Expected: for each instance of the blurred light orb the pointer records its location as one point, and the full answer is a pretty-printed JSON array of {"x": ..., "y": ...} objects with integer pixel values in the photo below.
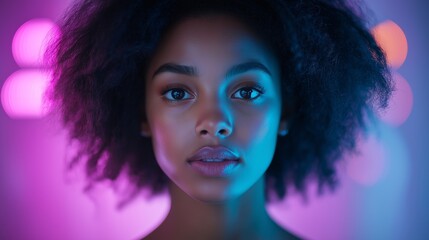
[
  {"x": 367, "y": 166},
  {"x": 22, "y": 94},
  {"x": 400, "y": 104},
  {"x": 392, "y": 40},
  {"x": 31, "y": 40}
]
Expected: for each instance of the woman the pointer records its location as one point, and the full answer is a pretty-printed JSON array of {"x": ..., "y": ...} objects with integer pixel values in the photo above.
[{"x": 219, "y": 102}]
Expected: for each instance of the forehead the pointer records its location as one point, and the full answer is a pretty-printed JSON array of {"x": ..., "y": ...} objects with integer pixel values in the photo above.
[{"x": 211, "y": 42}]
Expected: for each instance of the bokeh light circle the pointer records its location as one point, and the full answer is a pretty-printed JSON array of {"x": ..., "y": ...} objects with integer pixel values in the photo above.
[
  {"x": 22, "y": 94},
  {"x": 366, "y": 166},
  {"x": 393, "y": 41},
  {"x": 400, "y": 104},
  {"x": 31, "y": 40}
]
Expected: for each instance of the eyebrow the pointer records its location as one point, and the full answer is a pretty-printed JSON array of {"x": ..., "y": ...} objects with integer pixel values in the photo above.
[
  {"x": 176, "y": 68},
  {"x": 192, "y": 71}
]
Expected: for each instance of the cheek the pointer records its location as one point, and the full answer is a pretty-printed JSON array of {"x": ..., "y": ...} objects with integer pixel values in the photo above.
[
  {"x": 170, "y": 135},
  {"x": 258, "y": 126},
  {"x": 257, "y": 134}
]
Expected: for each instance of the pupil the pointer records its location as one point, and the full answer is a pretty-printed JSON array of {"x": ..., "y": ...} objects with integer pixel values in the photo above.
[
  {"x": 246, "y": 93},
  {"x": 177, "y": 94}
]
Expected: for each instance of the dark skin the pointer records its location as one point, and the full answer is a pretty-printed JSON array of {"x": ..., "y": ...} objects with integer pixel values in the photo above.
[
  {"x": 216, "y": 104},
  {"x": 193, "y": 219}
]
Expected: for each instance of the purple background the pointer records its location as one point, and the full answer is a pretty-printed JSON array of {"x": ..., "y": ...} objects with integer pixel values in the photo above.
[{"x": 39, "y": 201}]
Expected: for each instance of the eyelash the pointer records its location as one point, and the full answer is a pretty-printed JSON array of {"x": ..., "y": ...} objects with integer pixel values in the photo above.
[
  {"x": 174, "y": 88},
  {"x": 259, "y": 89}
]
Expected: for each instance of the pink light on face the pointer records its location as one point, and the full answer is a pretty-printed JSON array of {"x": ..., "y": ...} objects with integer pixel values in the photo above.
[
  {"x": 31, "y": 40},
  {"x": 400, "y": 104},
  {"x": 22, "y": 94},
  {"x": 392, "y": 40}
]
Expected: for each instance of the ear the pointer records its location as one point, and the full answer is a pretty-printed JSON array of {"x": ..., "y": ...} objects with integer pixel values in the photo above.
[
  {"x": 283, "y": 128},
  {"x": 145, "y": 129}
]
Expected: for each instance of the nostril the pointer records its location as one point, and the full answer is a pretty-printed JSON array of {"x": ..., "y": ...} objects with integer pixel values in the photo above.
[
  {"x": 220, "y": 132},
  {"x": 223, "y": 132}
]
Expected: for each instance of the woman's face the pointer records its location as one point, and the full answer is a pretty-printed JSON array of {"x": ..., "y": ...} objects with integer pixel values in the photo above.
[{"x": 213, "y": 84}]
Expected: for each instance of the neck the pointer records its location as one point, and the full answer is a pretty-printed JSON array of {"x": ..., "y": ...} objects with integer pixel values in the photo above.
[{"x": 230, "y": 219}]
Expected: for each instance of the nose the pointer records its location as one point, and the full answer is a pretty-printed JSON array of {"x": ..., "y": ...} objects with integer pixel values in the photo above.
[{"x": 214, "y": 122}]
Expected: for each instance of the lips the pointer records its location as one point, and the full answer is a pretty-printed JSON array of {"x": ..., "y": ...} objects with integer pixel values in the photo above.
[
  {"x": 213, "y": 154},
  {"x": 215, "y": 161}
]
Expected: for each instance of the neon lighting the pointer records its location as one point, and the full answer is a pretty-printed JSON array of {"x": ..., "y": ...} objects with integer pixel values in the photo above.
[
  {"x": 392, "y": 40},
  {"x": 22, "y": 94},
  {"x": 366, "y": 166},
  {"x": 401, "y": 102},
  {"x": 31, "y": 40}
]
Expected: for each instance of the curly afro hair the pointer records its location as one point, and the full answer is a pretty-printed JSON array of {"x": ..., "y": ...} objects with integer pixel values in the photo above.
[{"x": 333, "y": 75}]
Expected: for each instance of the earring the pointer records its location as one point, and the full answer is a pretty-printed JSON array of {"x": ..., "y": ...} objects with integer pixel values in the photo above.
[{"x": 283, "y": 132}]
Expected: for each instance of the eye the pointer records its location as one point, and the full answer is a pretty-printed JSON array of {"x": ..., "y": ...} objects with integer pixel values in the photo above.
[
  {"x": 176, "y": 94},
  {"x": 248, "y": 93}
]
